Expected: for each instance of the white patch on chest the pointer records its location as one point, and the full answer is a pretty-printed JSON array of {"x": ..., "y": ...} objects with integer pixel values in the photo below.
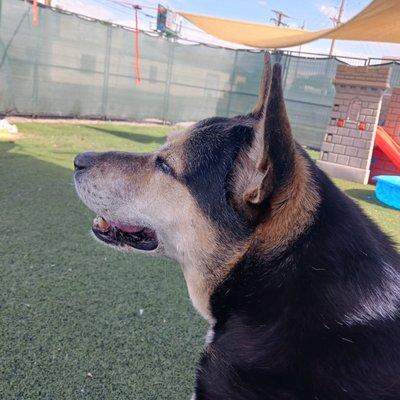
[{"x": 210, "y": 335}]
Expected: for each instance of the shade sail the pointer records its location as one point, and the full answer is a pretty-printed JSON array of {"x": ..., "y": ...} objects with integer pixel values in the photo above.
[{"x": 378, "y": 22}]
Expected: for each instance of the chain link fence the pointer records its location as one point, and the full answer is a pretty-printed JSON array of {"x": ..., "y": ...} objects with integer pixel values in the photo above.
[{"x": 72, "y": 66}]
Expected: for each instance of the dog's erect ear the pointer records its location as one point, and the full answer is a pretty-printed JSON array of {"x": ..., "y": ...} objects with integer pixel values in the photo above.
[
  {"x": 264, "y": 88},
  {"x": 273, "y": 142}
]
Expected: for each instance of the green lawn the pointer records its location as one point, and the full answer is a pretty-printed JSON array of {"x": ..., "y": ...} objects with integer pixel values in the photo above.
[{"x": 77, "y": 320}]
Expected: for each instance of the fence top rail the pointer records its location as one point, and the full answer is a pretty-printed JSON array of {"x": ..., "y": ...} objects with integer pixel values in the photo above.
[
  {"x": 295, "y": 53},
  {"x": 382, "y": 61}
]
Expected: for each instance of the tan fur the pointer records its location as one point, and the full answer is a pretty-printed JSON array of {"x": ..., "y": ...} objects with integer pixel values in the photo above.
[
  {"x": 292, "y": 206},
  {"x": 198, "y": 237},
  {"x": 247, "y": 178},
  {"x": 173, "y": 150},
  {"x": 200, "y": 290},
  {"x": 189, "y": 238},
  {"x": 292, "y": 209}
]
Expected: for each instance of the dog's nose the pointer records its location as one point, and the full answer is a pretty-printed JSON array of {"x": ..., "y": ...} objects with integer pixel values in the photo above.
[{"x": 84, "y": 160}]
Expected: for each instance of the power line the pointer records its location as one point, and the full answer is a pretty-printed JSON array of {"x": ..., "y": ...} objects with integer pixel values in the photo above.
[
  {"x": 278, "y": 19},
  {"x": 337, "y": 21}
]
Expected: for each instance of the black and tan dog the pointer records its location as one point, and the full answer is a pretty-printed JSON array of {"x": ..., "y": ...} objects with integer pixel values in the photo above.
[{"x": 301, "y": 289}]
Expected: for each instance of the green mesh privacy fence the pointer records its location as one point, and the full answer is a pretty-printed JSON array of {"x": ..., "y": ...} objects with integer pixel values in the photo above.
[{"x": 70, "y": 66}]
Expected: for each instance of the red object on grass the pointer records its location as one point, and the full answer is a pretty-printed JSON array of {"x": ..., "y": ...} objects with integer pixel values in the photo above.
[
  {"x": 137, "y": 8},
  {"x": 341, "y": 122}
]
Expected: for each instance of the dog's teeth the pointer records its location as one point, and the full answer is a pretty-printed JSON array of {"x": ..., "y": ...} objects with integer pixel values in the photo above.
[{"x": 101, "y": 224}]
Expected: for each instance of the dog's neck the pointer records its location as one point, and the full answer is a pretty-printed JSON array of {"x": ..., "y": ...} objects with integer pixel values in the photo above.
[
  {"x": 292, "y": 210},
  {"x": 200, "y": 291}
]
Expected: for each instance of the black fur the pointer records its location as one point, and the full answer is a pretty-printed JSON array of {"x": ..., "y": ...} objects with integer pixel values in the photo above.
[
  {"x": 320, "y": 321},
  {"x": 211, "y": 150}
]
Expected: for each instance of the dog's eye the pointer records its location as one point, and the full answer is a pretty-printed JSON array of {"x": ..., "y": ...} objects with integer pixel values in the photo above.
[{"x": 163, "y": 166}]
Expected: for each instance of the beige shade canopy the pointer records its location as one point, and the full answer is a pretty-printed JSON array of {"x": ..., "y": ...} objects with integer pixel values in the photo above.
[{"x": 378, "y": 22}]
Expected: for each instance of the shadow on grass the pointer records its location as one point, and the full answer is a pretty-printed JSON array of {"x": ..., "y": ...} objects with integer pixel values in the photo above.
[
  {"x": 6, "y": 146},
  {"x": 366, "y": 195},
  {"x": 133, "y": 136}
]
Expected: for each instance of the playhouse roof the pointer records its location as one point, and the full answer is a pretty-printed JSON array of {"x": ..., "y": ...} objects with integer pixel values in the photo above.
[{"x": 378, "y": 22}]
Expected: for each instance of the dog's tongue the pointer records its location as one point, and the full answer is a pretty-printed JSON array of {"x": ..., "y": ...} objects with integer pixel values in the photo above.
[
  {"x": 103, "y": 225},
  {"x": 127, "y": 228}
]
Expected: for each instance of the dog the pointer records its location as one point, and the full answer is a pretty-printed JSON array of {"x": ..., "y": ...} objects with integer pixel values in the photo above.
[{"x": 301, "y": 290}]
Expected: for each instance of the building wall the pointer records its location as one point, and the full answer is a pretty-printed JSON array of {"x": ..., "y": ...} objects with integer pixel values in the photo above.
[{"x": 348, "y": 144}]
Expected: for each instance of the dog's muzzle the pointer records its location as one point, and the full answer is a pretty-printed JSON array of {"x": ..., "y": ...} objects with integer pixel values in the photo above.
[
  {"x": 115, "y": 233},
  {"x": 138, "y": 237}
]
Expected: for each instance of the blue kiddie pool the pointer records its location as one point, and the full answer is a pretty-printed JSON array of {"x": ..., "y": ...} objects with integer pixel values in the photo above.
[{"x": 387, "y": 190}]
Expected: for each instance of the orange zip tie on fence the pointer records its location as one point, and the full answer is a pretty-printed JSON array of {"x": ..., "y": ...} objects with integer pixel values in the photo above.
[
  {"x": 137, "y": 8},
  {"x": 35, "y": 13}
]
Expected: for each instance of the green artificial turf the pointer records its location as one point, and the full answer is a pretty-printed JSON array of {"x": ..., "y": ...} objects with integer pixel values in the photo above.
[{"x": 78, "y": 320}]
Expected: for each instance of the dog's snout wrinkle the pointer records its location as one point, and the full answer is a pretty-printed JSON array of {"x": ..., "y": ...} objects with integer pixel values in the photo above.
[{"x": 118, "y": 159}]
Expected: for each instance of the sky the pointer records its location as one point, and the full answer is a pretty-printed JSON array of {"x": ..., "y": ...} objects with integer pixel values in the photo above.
[{"x": 314, "y": 14}]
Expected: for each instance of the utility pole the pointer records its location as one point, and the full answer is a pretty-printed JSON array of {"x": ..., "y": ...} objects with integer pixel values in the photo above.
[
  {"x": 336, "y": 22},
  {"x": 302, "y": 27},
  {"x": 278, "y": 19}
]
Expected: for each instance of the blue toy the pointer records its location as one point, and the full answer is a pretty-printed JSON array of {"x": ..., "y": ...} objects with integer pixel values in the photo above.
[{"x": 387, "y": 190}]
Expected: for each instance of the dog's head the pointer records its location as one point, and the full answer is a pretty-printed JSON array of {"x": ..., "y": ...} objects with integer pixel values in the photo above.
[{"x": 207, "y": 194}]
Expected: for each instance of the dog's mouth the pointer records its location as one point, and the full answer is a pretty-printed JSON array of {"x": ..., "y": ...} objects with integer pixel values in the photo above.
[{"x": 137, "y": 237}]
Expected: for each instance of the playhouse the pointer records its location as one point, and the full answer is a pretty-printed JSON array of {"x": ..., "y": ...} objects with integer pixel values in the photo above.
[{"x": 363, "y": 134}]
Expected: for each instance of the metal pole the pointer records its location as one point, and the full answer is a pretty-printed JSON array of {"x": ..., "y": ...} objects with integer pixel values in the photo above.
[
  {"x": 337, "y": 21},
  {"x": 35, "y": 73},
  {"x": 286, "y": 67},
  {"x": 231, "y": 84},
  {"x": 332, "y": 47},
  {"x": 106, "y": 73},
  {"x": 171, "y": 51}
]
